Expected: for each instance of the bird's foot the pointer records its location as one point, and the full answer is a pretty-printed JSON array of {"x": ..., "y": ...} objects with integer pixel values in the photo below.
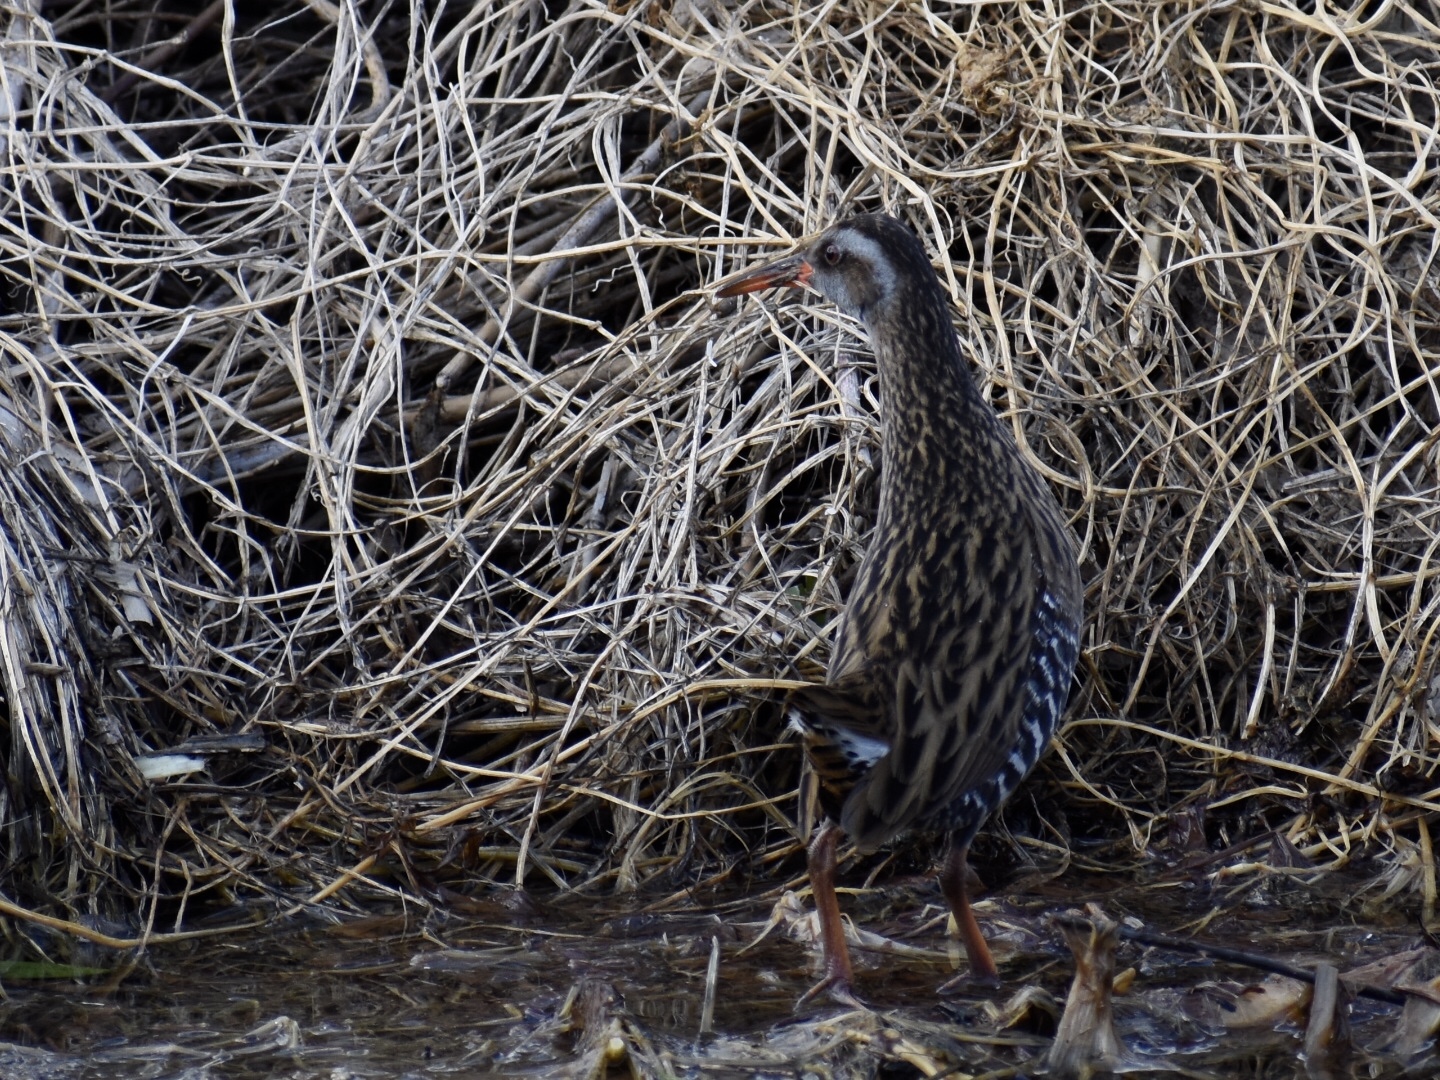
[{"x": 837, "y": 986}]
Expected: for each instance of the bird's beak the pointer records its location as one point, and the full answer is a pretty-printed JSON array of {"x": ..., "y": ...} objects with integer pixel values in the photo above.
[{"x": 790, "y": 272}]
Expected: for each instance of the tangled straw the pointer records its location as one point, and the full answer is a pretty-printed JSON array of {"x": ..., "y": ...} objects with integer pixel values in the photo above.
[{"x": 362, "y": 392}]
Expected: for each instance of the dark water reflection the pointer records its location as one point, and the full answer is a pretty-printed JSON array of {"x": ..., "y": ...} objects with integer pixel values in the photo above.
[{"x": 585, "y": 988}]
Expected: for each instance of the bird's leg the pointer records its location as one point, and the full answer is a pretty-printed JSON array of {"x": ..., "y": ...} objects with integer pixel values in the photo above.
[
  {"x": 836, "y": 953},
  {"x": 956, "y": 890}
]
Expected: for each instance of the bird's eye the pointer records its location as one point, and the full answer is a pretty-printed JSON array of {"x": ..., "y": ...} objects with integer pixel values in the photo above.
[{"x": 833, "y": 254}]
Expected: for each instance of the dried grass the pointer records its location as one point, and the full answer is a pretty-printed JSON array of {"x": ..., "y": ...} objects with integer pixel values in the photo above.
[{"x": 362, "y": 391}]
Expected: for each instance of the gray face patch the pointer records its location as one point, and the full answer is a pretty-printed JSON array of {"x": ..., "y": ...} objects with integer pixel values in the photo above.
[
  {"x": 864, "y": 278},
  {"x": 864, "y": 249}
]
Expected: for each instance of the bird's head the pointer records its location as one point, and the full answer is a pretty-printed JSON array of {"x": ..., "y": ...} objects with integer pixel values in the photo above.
[{"x": 865, "y": 265}]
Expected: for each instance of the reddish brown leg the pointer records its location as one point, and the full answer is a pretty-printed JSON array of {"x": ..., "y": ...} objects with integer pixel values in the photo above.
[
  {"x": 838, "y": 976},
  {"x": 952, "y": 883}
]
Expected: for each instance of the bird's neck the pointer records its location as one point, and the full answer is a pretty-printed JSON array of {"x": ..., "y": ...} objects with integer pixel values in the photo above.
[{"x": 935, "y": 423}]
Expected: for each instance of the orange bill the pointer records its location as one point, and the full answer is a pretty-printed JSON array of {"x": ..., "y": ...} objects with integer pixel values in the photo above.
[{"x": 790, "y": 272}]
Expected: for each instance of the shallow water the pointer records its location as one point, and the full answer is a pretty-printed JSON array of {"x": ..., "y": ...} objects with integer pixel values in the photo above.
[{"x": 582, "y": 988}]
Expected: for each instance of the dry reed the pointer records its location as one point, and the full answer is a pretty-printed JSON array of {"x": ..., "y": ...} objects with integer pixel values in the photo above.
[{"x": 371, "y": 437}]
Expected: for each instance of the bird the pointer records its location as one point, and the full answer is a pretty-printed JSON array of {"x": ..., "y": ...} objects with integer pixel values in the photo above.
[{"x": 956, "y": 648}]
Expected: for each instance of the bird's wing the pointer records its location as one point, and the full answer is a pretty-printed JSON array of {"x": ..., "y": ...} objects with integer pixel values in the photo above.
[{"x": 956, "y": 706}]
